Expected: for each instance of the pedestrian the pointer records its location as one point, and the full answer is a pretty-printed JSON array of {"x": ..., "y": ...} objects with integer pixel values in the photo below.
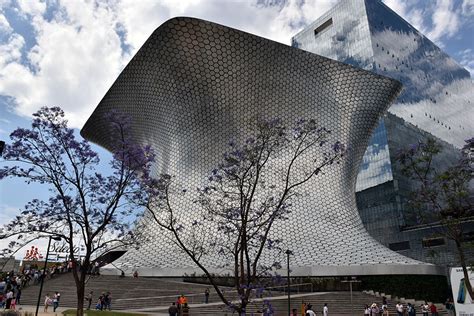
[
  {"x": 367, "y": 310},
  {"x": 47, "y": 302},
  {"x": 56, "y": 299},
  {"x": 98, "y": 306},
  {"x": 185, "y": 311},
  {"x": 374, "y": 310},
  {"x": 309, "y": 310},
  {"x": 89, "y": 299},
  {"x": 102, "y": 301},
  {"x": 181, "y": 301},
  {"x": 2, "y": 300},
  {"x": 399, "y": 308},
  {"x": 173, "y": 310},
  {"x": 135, "y": 274},
  {"x": 384, "y": 302},
  {"x": 433, "y": 309},
  {"x": 13, "y": 303},
  {"x": 449, "y": 306},
  {"x": 325, "y": 310},
  {"x": 425, "y": 308},
  {"x": 206, "y": 295},
  {"x": 8, "y": 299},
  {"x": 108, "y": 301},
  {"x": 18, "y": 295},
  {"x": 294, "y": 312},
  {"x": 385, "y": 311},
  {"x": 411, "y": 310}
]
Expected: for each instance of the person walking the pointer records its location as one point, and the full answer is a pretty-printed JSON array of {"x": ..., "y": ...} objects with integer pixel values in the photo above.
[
  {"x": 13, "y": 303},
  {"x": 411, "y": 310},
  {"x": 449, "y": 306},
  {"x": 399, "y": 308},
  {"x": 56, "y": 299},
  {"x": 18, "y": 295},
  {"x": 367, "y": 310},
  {"x": 206, "y": 295},
  {"x": 374, "y": 310},
  {"x": 433, "y": 310},
  {"x": 89, "y": 299},
  {"x": 325, "y": 310},
  {"x": 47, "y": 302},
  {"x": 8, "y": 299},
  {"x": 181, "y": 301},
  {"x": 108, "y": 301},
  {"x": 309, "y": 310},
  {"x": 425, "y": 308},
  {"x": 185, "y": 311},
  {"x": 384, "y": 302},
  {"x": 173, "y": 310}
]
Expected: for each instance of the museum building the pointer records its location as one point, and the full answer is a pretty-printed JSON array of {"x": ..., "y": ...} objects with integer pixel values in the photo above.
[{"x": 194, "y": 85}]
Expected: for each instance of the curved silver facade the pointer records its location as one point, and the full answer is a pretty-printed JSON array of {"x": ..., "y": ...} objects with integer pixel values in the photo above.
[{"x": 194, "y": 85}]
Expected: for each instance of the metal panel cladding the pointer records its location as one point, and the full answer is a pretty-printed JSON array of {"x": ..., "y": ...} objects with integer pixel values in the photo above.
[{"x": 194, "y": 85}]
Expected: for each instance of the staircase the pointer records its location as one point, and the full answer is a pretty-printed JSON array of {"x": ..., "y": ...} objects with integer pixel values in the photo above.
[{"x": 154, "y": 295}]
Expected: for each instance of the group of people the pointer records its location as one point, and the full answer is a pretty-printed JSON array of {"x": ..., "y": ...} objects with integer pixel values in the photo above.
[
  {"x": 104, "y": 301},
  {"x": 52, "y": 300},
  {"x": 406, "y": 310},
  {"x": 10, "y": 290},
  {"x": 308, "y": 310},
  {"x": 12, "y": 284},
  {"x": 180, "y": 307}
]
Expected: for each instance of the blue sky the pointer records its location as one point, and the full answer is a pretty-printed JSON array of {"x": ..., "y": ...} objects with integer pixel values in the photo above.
[{"x": 68, "y": 53}]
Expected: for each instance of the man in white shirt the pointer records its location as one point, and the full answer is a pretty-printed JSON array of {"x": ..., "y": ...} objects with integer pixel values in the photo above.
[
  {"x": 399, "y": 308},
  {"x": 325, "y": 310},
  {"x": 309, "y": 311}
]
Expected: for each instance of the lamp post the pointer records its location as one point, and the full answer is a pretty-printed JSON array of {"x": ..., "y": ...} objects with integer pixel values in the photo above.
[
  {"x": 2, "y": 146},
  {"x": 44, "y": 272},
  {"x": 352, "y": 280},
  {"x": 288, "y": 253}
]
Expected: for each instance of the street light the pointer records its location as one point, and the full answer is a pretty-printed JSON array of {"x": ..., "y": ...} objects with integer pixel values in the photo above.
[
  {"x": 2, "y": 146},
  {"x": 352, "y": 280},
  {"x": 44, "y": 272},
  {"x": 288, "y": 253}
]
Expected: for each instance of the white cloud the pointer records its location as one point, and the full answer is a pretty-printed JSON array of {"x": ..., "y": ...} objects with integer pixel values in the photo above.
[
  {"x": 11, "y": 51},
  {"x": 468, "y": 8},
  {"x": 445, "y": 20},
  {"x": 438, "y": 20},
  {"x": 453, "y": 106},
  {"x": 79, "y": 53},
  {"x": 32, "y": 7},
  {"x": 415, "y": 16},
  {"x": 467, "y": 60},
  {"x": 4, "y": 25},
  {"x": 75, "y": 60}
]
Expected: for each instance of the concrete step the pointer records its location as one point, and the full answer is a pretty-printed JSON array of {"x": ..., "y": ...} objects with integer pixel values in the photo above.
[{"x": 156, "y": 294}]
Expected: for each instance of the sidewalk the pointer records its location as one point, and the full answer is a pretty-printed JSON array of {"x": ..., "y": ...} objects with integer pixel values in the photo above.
[
  {"x": 59, "y": 310},
  {"x": 32, "y": 309}
]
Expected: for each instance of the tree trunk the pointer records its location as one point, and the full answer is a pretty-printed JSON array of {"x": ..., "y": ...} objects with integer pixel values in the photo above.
[
  {"x": 465, "y": 271},
  {"x": 80, "y": 298}
]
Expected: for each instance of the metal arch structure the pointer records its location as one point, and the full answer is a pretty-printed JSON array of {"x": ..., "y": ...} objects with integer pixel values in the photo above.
[{"x": 194, "y": 85}]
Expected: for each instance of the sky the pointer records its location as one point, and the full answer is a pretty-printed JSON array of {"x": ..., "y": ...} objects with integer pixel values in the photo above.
[{"x": 68, "y": 53}]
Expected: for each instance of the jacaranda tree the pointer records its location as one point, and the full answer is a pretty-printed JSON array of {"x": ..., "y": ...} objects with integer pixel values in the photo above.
[
  {"x": 444, "y": 198},
  {"x": 245, "y": 195},
  {"x": 85, "y": 208}
]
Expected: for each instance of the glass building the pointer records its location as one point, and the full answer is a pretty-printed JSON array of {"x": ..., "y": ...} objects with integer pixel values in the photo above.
[{"x": 435, "y": 102}]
